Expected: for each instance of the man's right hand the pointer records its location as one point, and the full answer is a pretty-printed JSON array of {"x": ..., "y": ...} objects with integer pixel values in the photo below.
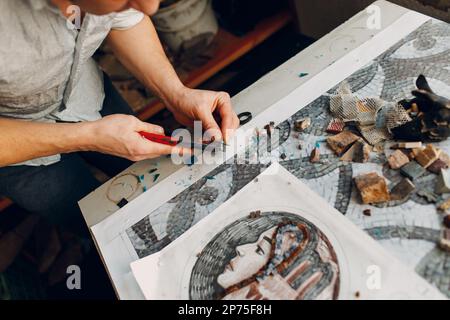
[{"x": 118, "y": 135}]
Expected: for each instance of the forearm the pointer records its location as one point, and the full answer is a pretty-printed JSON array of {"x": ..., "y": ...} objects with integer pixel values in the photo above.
[
  {"x": 141, "y": 52},
  {"x": 23, "y": 140}
]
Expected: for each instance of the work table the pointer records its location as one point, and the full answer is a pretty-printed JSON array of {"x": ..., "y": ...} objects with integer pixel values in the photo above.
[{"x": 313, "y": 71}]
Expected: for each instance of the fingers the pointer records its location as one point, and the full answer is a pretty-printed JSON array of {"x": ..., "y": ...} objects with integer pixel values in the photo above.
[
  {"x": 162, "y": 149},
  {"x": 147, "y": 149},
  {"x": 210, "y": 125},
  {"x": 148, "y": 127},
  {"x": 150, "y": 150},
  {"x": 230, "y": 121}
]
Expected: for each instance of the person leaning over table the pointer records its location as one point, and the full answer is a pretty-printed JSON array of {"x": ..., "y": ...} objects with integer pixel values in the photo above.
[{"x": 58, "y": 111}]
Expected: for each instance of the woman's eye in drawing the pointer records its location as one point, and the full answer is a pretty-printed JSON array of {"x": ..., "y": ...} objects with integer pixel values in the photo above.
[
  {"x": 259, "y": 250},
  {"x": 239, "y": 253},
  {"x": 421, "y": 47}
]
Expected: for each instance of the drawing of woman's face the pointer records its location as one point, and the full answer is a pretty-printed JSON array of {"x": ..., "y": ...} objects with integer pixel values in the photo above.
[
  {"x": 250, "y": 258},
  {"x": 277, "y": 255},
  {"x": 316, "y": 269}
]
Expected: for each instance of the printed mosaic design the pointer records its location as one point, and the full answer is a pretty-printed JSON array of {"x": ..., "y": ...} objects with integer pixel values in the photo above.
[{"x": 306, "y": 269}]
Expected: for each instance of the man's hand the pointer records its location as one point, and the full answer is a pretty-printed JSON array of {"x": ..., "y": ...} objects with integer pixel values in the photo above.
[
  {"x": 140, "y": 51},
  {"x": 119, "y": 135},
  {"x": 199, "y": 105},
  {"x": 116, "y": 135}
]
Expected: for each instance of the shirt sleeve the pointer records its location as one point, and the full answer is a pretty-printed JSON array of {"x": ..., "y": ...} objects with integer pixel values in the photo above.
[{"x": 126, "y": 19}]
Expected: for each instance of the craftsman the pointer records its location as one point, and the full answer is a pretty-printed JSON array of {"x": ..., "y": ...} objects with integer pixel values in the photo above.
[{"x": 58, "y": 111}]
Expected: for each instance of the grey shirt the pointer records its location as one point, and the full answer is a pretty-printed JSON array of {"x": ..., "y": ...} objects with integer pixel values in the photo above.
[{"x": 47, "y": 72}]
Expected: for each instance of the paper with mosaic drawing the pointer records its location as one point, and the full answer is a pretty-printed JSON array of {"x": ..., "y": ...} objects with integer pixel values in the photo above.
[
  {"x": 276, "y": 239},
  {"x": 410, "y": 230}
]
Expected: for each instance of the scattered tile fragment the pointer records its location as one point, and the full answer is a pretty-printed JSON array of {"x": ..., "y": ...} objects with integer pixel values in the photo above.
[
  {"x": 210, "y": 177},
  {"x": 255, "y": 214},
  {"x": 446, "y": 234},
  {"x": 443, "y": 182},
  {"x": 340, "y": 142},
  {"x": 152, "y": 171},
  {"x": 428, "y": 195},
  {"x": 155, "y": 177},
  {"x": 367, "y": 212},
  {"x": 372, "y": 188},
  {"x": 415, "y": 152},
  {"x": 445, "y": 157},
  {"x": 397, "y": 159},
  {"x": 411, "y": 155},
  {"x": 427, "y": 156},
  {"x": 444, "y": 206},
  {"x": 300, "y": 147},
  {"x": 348, "y": 156},
  {"x": 412, "y": 170},
  {"x": 144, "y": 188},
  {"x": 335, "y": 126},
  {"x": 141, "y": 178},
  {"x": 315, "y": 156},
  {"x": 283, "y": 156},
  {"x": 362, "y": 152},
  {"x": 446, "y": 221},
  {"x": 122, "y": 203},
  {"x": 378, "y": 148},
  {"x": 302, "y": 125},
  {"x": 436, "y": 166},
  {"x": 362, "y": 107},
  {"x": 402, "y": 189},
  {"x": 303, "y": 74},
  {"x": 407, "y": 145},
  {"x": 358, "y": 152},
  {"x": 444, "y": 243}
]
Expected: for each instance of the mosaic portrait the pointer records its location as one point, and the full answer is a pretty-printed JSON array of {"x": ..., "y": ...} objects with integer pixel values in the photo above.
[{"x": 274, "y": 256}]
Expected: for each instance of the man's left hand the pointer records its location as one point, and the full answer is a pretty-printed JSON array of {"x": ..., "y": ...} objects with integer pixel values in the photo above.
[{"x": 199, "y": 105}]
